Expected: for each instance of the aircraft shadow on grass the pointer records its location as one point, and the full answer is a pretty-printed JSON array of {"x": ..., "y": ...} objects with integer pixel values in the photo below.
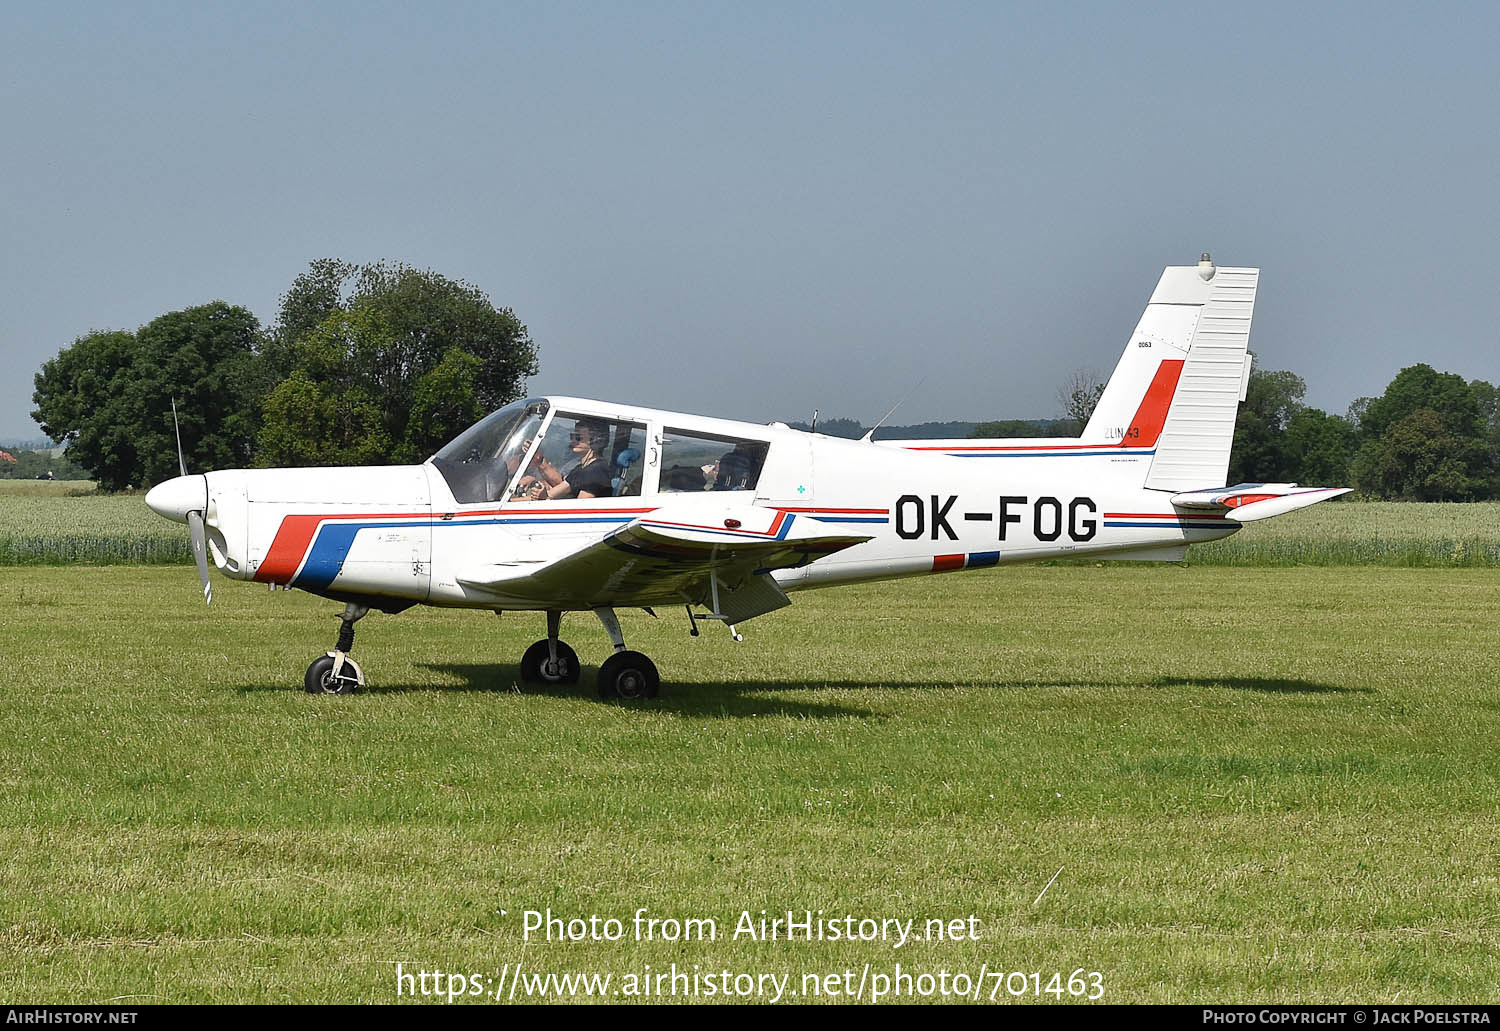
[
  {"x": 1265, "y": 685},
  {"x": 799, "y": 698},
  {"x": 743, "y": 698},
  {"x": 1269, "y": 685}
]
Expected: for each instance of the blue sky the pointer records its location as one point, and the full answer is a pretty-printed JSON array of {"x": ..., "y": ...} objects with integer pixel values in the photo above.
[{"x": 754, "y": 210}]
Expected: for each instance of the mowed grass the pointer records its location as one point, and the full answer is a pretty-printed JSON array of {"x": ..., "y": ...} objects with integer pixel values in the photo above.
[{"x": 1257, "y": 785}]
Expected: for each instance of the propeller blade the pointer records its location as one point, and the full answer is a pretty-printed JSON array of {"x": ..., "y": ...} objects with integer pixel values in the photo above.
[
  {"x": 200, "y": 553},
  {"x": 194, "y": 520}
]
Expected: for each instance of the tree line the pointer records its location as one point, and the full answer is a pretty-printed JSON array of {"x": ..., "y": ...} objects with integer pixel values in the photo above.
[
  {"x": 32, "y": 464},
  {"x": 372, "y": 364},
  {"x": 1431, "y": 436}
]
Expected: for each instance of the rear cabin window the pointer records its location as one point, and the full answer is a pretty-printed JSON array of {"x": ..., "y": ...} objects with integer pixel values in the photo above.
[{"x": 693, "y": 461}]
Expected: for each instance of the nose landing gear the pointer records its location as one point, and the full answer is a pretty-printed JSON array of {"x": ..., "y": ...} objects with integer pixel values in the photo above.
[{"x": 336, "y": 672}]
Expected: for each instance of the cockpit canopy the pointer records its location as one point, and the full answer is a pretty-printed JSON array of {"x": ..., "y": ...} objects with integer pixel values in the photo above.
[
  {"x": 530, "y": 451},
  {"x": 482, "y": 460}
]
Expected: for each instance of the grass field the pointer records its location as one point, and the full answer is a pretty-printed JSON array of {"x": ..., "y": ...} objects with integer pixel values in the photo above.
[
  {"x": 1354, "y": 533},
  {"x": 45, "y": 488},
  {"x": 61, "y": 523},
  {"x": 1250, "y": 785}
]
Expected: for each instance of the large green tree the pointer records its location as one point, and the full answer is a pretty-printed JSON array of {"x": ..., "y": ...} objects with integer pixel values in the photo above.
[
  {"x": 1316, "y": 448},
  {"x": 1487, "y": 396},
  {"x": 1271, "y": 399},
  {"x": 385, "y": 363},
  {"x": 1427, "y": 438},
  {"x": 109, "y": 395},
  {"x": 1278, "y": 438}
]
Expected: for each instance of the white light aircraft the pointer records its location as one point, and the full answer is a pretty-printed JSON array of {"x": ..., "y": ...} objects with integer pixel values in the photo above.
[{"x": 565, "y": 505}]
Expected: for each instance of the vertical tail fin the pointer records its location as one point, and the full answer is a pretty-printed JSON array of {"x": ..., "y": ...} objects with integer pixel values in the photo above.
[{"x": 1178, "y": 386}]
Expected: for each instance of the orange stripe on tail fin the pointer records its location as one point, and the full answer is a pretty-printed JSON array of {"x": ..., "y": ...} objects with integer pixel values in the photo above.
[{"x": 1152, "y": 414}]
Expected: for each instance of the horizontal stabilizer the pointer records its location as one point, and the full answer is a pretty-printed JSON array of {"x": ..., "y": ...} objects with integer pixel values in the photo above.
[{"x": 1252, "y": 501}]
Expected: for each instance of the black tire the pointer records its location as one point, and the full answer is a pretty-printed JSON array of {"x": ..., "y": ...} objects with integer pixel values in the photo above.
[
  {"x": 628, "y": 675},
  {"x": 536, "y": 662},
  {"x": 319, "y": 678}
]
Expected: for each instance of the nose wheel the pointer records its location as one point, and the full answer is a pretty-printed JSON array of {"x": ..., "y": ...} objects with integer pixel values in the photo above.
[
  {"x": 327, "y": 675},
  {"x": 336, "y": 672}
]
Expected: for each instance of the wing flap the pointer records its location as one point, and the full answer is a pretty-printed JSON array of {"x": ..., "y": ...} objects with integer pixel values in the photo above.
[{"x": 668, "y": 556}]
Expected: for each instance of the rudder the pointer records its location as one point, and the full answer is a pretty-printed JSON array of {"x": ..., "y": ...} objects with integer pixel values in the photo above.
[{"x": 1193, "y": 449}]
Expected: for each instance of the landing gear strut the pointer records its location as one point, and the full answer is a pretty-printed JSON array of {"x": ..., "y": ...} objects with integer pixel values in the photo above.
[
  {"x": 550, "y": 661},
  {"x": 625, "y": 674},
  {"x": 336, "y": 672}
]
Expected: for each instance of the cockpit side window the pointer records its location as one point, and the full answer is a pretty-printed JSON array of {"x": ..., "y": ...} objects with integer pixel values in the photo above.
[
  {"x": 585, "y": 457},
  {"x": 694, "y": 461}
]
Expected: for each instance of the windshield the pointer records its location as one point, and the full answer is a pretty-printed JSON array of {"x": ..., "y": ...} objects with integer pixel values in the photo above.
[{"x": 482, "y": 460}]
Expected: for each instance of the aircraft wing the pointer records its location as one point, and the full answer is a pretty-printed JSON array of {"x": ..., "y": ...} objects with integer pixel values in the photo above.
[{"x": 668, "y": 556}]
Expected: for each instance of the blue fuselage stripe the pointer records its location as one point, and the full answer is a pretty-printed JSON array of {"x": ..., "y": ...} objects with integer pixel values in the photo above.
[{"x": 1167, "y": 524}]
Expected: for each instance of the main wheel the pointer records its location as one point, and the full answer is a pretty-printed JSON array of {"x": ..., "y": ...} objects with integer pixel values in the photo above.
[
  {"x": 628, "y": 675},
  {"x": 537, "y": 666},
  {"x": 320, "y": 678}
]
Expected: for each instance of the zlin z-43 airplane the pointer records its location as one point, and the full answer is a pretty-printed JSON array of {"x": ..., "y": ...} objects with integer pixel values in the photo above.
[{"x": 561, "y": 505}]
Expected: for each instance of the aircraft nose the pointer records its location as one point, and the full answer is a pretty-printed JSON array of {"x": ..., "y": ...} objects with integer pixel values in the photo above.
[{"x": 175, "y": 498}]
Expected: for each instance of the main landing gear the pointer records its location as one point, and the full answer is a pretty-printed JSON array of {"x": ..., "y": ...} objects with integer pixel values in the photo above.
[
  {"x": 336, "y": 672},
  {"x": 625, "y": 674},
  {"x": 550, "y": 661}
]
